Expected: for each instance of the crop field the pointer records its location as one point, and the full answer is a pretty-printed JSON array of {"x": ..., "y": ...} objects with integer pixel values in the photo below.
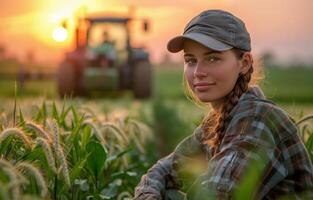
[
  {"x": 48, "y": 150},
  {"x": 99, "y": 148}
]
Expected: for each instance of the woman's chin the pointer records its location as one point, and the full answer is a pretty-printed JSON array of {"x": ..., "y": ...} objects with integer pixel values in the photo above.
[{"x": 205, "y": 98}]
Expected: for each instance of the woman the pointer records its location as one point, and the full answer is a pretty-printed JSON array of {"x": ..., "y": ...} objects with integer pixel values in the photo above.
[{"x": 244, "y": 131}]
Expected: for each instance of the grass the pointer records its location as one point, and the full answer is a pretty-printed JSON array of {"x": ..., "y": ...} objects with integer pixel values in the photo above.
[
  {"x": 290, "y": 85},
  {"x": 32, "y": 88},
  {"x": 283, "y": 85}
]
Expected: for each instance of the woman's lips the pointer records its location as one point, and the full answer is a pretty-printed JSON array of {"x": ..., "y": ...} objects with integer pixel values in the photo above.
[{"x": 201, "y": 87}]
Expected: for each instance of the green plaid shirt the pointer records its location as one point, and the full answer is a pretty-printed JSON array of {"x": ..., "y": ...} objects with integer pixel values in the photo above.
[{"x": 258, "y": 132}]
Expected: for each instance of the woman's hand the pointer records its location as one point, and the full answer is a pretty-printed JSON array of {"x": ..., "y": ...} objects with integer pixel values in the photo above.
[{"x": 164, "y": 174}]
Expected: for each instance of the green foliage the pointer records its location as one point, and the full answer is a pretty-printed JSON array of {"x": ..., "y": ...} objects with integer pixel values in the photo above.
[
  {"x": 289, "y": 85},
  {"x": 168, "y": 125},
  {"x": 306, "y": 133},
  {"x": 68, "y": 154},
  {"x": 97, "y": 155},
  {"x": 31, "y": 88}
]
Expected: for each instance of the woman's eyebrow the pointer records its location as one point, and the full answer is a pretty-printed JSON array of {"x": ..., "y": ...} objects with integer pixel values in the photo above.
[
  {"x": 188, "y": 55},
  {"x": 210, "y": 52},
  {"x": 205, "y": 53}
]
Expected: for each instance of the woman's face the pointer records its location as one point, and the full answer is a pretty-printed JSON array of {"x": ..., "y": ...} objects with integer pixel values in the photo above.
[{"x": 210, "y": 74}]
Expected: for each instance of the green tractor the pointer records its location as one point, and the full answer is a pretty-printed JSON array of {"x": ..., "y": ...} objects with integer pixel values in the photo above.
[{"x": 104, "y": 60}]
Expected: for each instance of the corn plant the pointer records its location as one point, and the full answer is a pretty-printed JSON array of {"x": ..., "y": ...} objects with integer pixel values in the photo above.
[
  {"x": 306, "y": 133},
  {"x": 70, "y": 153}
]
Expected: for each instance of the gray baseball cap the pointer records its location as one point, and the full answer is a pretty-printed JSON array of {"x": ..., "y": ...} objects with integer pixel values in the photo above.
[{"x": 216, "y": 29}]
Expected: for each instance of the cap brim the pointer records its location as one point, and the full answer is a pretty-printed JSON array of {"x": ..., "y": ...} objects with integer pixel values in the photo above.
[{"x": 177, "y": 43}]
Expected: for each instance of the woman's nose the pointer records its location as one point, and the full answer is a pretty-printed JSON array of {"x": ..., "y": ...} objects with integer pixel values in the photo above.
[{"x": 200, "y": 71}]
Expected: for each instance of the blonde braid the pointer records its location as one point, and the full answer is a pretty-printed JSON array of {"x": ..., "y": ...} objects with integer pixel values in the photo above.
[{"x": 214, "y": 132}]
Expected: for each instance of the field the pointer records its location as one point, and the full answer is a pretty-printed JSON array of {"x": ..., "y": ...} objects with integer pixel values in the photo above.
[
  {"x": 47, "y": 145},
  {"x": 290, "y": 88}
]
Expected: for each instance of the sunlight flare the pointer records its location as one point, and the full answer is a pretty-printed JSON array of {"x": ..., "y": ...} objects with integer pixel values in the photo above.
[{"x": 60, "y": 34}]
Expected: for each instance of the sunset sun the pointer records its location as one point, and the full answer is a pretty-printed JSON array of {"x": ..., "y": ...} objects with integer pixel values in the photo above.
[{"x": 60, "y": 34}]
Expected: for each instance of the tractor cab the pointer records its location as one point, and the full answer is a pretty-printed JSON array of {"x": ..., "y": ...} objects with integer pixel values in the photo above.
[
  {"x": 105, "y": 60},
  {"x": 107, "y": 41}
]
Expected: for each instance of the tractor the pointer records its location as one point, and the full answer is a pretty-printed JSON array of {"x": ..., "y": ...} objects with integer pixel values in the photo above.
[{"x": 105, "y": 60}]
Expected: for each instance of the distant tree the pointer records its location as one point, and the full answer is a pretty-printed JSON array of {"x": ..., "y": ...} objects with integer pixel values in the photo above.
[
  {"x": 2, "y": 51},
  {"x": 268, "y": 59},
  {"x": 30, "y": 56},
  {"x": 297, "y": 62}
]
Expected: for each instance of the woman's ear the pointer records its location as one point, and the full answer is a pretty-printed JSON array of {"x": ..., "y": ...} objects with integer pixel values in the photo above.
[{"x": 246, "y": 62}]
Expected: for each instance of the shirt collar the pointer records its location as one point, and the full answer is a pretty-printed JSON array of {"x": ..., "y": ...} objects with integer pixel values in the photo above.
[{"x": 254, "y": 92}]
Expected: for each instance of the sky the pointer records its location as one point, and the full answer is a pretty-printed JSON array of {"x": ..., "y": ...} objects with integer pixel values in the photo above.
[{"x": 283, "y": 27}]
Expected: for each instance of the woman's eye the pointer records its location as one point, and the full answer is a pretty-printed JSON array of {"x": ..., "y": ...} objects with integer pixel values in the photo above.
[
  {"x": 212, "y": 59},
  {"x": 191, "y": 61}
]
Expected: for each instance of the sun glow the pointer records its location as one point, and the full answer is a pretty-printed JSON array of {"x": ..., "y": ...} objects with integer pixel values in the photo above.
[{"x": 60, "y": 34}]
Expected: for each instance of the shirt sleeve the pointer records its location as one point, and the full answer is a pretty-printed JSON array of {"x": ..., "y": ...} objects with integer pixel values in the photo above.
[
  {"x": 247, "y": 140},
  {"x": 164, "y": 174}
]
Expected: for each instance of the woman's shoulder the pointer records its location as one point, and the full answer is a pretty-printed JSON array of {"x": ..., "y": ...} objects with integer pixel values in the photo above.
[
  {"x": 254, "y": 103},
  {"x": 256, "y": 107}
]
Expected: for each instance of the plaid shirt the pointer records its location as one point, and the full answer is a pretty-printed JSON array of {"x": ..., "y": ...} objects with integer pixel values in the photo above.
[{"x": 258, "y": 132}]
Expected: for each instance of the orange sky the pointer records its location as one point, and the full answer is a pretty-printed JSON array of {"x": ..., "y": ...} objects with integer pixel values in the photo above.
[{"x": 282, "y": 26}]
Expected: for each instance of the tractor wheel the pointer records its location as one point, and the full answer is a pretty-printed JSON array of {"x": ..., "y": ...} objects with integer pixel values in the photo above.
[
  {"x": 142, "y": 82},
  {"x": 66, "y": 80},
  {"x": 125, "y": 77}
]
